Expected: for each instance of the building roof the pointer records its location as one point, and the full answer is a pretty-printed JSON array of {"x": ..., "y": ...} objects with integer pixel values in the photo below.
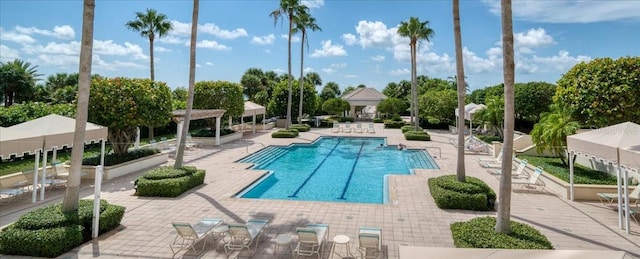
[{"x": 364, "y": 94}]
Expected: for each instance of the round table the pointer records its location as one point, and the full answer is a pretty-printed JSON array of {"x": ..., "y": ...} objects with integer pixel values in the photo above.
[
  {"x": 340, "y": 240},
  {"x": 283, "y": 240},
  {"x": 218, "y": 233}
]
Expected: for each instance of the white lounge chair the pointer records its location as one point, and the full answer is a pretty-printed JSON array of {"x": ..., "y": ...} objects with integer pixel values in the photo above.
[
  {"x": 347, "y": 127},
  {"x": 370, "y": 242},
  {"x": 244, "y": 235},
  {"x": 8, "y": 193},
  {"x": 336, "y": 127},
  {"x": 518, "y": 172},
  {"x": 533, "y": 180},
  {"x": 611, "y": 197},
  {"x": 187, "y": 236},
  {"x": 371, "y": 129},
  {"x": 311, "y": 240}
]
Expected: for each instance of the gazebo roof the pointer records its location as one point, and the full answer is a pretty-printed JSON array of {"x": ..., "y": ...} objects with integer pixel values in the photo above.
[
  {"x": 364, "y": 94},
  {"x": 251, "y": 108},
  {"x": 178, "y": 115}
]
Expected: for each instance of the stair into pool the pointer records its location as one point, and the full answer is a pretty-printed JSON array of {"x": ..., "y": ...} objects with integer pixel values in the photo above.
[
  {"x": 264, "y": 156},
  {"x": 421, "y": 160}
]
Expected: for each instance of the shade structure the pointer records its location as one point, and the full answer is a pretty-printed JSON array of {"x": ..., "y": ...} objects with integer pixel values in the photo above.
[
  {"x": 17, "y": 143},
  {"x": 470, "y": 110},
  {"x": 251, "y": 109}
]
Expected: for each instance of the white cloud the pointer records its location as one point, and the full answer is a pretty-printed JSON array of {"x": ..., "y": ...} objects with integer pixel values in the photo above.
[
  {"x": 349, "y": 39},
  {"x": 180, "y": 28},
  {"x": 198, "y": 66},
  {"x": 208, "y": 63},
  {"x": 328, "y": 70},
  {"x": 100, "y": 47},
  {"x": 400, "y": 71},
  {"x": 307, "y": 69},
  {"x": 476, "y": 64},
  {"x": 116, "y": 65},
  {"x": 294, "y": 38},
  {"x": 61, "y": 32},
  {"x": 278, "y": 70},
  {"x": 561, "y": 62},
  {"x": 339, "y": 65},
  {"x": 533, "y": 38},
  {"x": 161, "y": 49},
  {"x": 329, "y": 50},
  {"x": 378, "y": 58},
  {"x": 375, "y": 34},
  {"x": 333, "y": 68},
  {"x": 263, "y": 40},
  {"x": 570, "y": 11},
  {"x": 350, "y": 76},
  {"x": 7, "y": 54},
  {"x": 15, "y": 37},
  {"x": 211, "y": 44},
  {"x": 184, "y": 29},
  {"x": 313, "y": 3},
  {"x": 172, "y": 39},
  {"x": 59, "y": 60}
]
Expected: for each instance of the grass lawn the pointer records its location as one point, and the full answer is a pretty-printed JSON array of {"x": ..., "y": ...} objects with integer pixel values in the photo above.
[{"x": 582, "y": 175}]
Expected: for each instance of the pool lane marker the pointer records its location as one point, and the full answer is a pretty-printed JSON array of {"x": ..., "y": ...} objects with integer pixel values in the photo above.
[
  {"x": 353, "y": 168},
  {"x": 315, "y": 170}
]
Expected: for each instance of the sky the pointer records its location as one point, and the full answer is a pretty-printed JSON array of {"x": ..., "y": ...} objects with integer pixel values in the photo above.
[{"x": 358, "y": 43}]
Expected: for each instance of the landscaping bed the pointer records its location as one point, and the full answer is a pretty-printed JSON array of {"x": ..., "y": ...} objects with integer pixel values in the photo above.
[
  {"x": 581, "y": 174},
  {"x": 169, "y": 182},
  {"x": 474, "y": 194},
  {"x": 480, "y": 233},
  {"x": 289, "y": 133}
]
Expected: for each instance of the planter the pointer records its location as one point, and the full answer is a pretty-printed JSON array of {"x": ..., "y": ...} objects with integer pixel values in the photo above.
[
  {"x": 211, "y": 141},
  {"x": 137, "y": 165},
  {"x": 581, "y": 192}
]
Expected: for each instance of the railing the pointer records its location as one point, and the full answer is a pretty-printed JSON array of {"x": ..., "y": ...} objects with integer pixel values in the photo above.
[
  {"x": 439, "y": 150},
  {"x": 247, "y": 147}
]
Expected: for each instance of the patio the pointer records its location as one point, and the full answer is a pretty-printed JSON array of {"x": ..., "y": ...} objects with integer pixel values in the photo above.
[{"x": 414, "y": 220}]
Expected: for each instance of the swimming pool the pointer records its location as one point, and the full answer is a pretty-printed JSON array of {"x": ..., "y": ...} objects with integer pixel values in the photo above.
[{"x": 338, "y": 169}]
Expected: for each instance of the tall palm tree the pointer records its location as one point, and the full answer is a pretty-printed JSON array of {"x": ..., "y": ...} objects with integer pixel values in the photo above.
[
  {"x": 72, "y": 192},
  {"x": 148, "y": 25},
  {"x": 303, "y": 22},
  {"x": 17, "y": 81},
  {"x": 192, "y": 82},
  {"x": 457, "y": 34},
  {"x": 416, "y": 31},
  {"x": 503, "y": 222},
  {"x": 290, "y": 9}
]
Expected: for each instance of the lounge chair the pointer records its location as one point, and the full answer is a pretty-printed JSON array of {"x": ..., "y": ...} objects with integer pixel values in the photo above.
[
  {"x": 358, "y": 128},
  {"x": 53, "y": 180},
  {"x": 518, "y": 172},
  {"x": 336, "y": 128},
  {"x": 609, "y": 198},
  {"x": 244, "y": 235},
  {"x": 533, "y": 180},
  {"x": 370, "y": 242},
  {"x": 8, "y": 193},
  {"x": 347, "y": 127},
  {"x": 187, "y": 236},
  {"x": 311, "y": 240},
  {"x": 371, "y": 129}
]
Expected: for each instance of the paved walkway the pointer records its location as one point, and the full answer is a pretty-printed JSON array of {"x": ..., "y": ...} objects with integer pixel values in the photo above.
[{"x": 413, "y": 220}]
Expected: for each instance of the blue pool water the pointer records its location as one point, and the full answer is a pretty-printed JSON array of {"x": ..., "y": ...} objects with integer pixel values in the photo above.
[{"x": 334, "y": 169}]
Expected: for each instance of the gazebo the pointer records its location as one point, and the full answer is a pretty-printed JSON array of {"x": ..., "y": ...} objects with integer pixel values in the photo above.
[
  {"x": 178, "y": 118},
  {"x": 469, "y": 111},
  {"x": 363, "y": 96},
  {"x": 253, "y": 109}
]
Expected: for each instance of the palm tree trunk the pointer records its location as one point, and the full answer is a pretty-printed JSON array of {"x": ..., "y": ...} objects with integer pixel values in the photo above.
[
  {"x": 503, "y": 223},
  {"x": 414, "y": 89},
  {"x": 153, "y": 73},
  {"x": 192, "y": 80},
  {"x": 460, "y": 168},
  {"x": 72, "y": 192},
  {"x": 289, "y": 71},
  {"x": 301, "y": 78}
]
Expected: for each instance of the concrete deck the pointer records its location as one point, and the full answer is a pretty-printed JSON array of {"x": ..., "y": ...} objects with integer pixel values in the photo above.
[{"x": 414, "y": 220}]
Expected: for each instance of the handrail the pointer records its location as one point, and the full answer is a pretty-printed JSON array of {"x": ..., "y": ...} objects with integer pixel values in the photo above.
[
  {"x": 439, "y": 150},
  {"x": 247, "y": 147}
]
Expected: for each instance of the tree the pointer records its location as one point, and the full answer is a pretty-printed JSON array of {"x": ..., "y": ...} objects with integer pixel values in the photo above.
[
  {"x": 123, "y": 104},
  {"x": 392, "y": 105},
  {"x": 415, "y": 30},
  {"x": 148, "y": 25},
  {"x": 503, "y": 221},
  {"x": 552, "y": 131},
  {"x": 461, "y": 87},
  {"x": 304, "y": 21},
  {"x": 330, "y": 90},
  {"x": 602, "y": 92},
  {"x": 228, "y": 97},
  {"x": 192, "y": 79},
  {"x": 347, "y": 90},
  {"x": 72, "y": 192},
  {"x": 440, "y": 104},
  {"x": 477, "y": 95},
  {"x": 290, "y": 9},
  {"x": 277, "y": 103},
  {"x": 17, "y": 80},
  {"x": 493, "y": 115},
  {"x": 335, "y": 106},
  {"x": 532, "y": 99},
  {"x": 314, "y": 78}
]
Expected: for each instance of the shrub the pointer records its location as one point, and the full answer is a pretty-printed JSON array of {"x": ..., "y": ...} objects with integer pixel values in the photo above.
[
  {"x": 408, "y": 128},
  {"x": 290, "y": 133},
  {"x": 49, "y": 232},
  {"x": 396, "y": 118},
  {"x": 168, "y": 181},
  {"x": 433, "y": 121},
  {"x": 480, "y": 233},
  {"x": 114, "y": 159},
  {"x": 417, "y": 135},
  {"x": 300, "y": 127},
  {"x": 204, "y": 133},
  {"x": 473, "y": 194},
  {"x": 378, "y": 120},
  {"x": 344, "y": 119},
  {"x": 391, "y": 124}
]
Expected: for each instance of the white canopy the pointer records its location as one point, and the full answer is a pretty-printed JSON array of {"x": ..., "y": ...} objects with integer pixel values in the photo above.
[
  {"x": 618, "y": 144},
  {"x": 15, "y": 142},
  {"x": 251, "y": 109},
  {"x": 470, "y": 110}
]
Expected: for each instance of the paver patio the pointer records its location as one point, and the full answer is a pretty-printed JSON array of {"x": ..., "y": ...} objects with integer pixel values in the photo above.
[{"x": 413, "y": 219}]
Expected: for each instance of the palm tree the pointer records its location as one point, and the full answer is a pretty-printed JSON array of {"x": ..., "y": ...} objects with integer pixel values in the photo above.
[
  {"x": 303, "y": 22},
  {"x": 503, "y": 221},
  {"x": 415, "y": 30},
  {"x": 493, "y": 115},
  {"x": 192, "y": 82},
  {"x": 17, "y": 81},
  {"x": 460, "y": 170},
  {"x": 148, "y": 25},
  {"x": 552, "y": 131},
  {"x": 72, "y": 192},
  {"x": 290, "y": 9}
]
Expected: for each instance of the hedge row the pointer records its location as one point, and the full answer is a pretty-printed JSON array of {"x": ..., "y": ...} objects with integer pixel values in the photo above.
[
  {"x": 378, "y": 120},
  {"x": 391, "y": 124},
  {"x": 169, "y": 182},
  {"x": 480, "y": 233},
  {"x": 300, "y": 127},
  {"x": 48, "y": 232},
  {"x": 474, "y": 194},
  {"x": 408, "y": 128},
  {"x": 114, "y": 159},
  {"x": 290, "y": 133},
  {"x": 417, "y": 135}
]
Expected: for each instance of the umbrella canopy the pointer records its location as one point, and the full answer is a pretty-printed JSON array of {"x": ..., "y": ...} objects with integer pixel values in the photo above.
[
  {"x": 251, "y": 108},
  {"x": 604, "y": 143},
  {"x": 17, "y": 143}
]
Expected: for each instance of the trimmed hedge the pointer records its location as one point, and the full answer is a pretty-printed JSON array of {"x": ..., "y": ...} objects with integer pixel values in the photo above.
[
  {"x": 48, "y": 232},
  {"x": 300, "y": 127},
  {"x": 408, "y": 128},
  {"x": 167, "y": 181},
  {"x": 417, "y": 135},
  {"x": 474, "y": 194},
  {"x": 114, "y": 159},
  {"x": 290, "y": 133},
  {"x": 480, "y": 233},
  {"x": 378, "y": 120},
  {"x": 208, "y": 133},
  {"x": 391, "y": 124}
]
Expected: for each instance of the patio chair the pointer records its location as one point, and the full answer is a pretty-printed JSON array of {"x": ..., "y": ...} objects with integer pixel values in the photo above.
[
  {"x": 311, "y": 240},
  {"x": 609, "y": 198},
  {"x": 187, "y": 236},
  {"x": 518, "y": 172},
  {"x": 336, "y": 127},
  {"x": 370, "y": 242},
  {"x": 52, "y": 179},
  {"x": 347, "y": 127},
  {"x": 358, "y": 128},
  {"x": 244, "y": 235},
  {"x": 8, "y": 193},
  {"x": 533, "y": 180},
  {"x": 371, "y": 129}
]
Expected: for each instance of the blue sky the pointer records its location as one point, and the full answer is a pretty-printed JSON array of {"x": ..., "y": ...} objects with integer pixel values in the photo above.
[{"x": 358, "y": 43}]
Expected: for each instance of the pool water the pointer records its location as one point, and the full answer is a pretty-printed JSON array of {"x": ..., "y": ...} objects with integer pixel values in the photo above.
[{"x": 337, "y": 169}]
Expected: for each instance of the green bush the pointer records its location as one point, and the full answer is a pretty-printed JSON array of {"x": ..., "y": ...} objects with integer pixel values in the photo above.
[
  {"x": 391, "y": 124},
  {"x": 433, "y": 121},
  {"x": 290, "y": 133},
  {"x": 417, "y": 135},
  {"x": 300, "y": 127},
  {"x": 114, "y": 159},
  {"x": 19, "y": 113},
  {"x": 480, "y": 233},
  {"x": 474, "y": 194},
  {"x": 378, "y": 120},
  {"x": 48, "y": 232},
  {"x": 208, "y": 133},
  {"x": 408, "y": 128},
  {"x": 169, "y": 182},
  {"x": 344, "y": 119},
  {"x": 396, "y": 118}
]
